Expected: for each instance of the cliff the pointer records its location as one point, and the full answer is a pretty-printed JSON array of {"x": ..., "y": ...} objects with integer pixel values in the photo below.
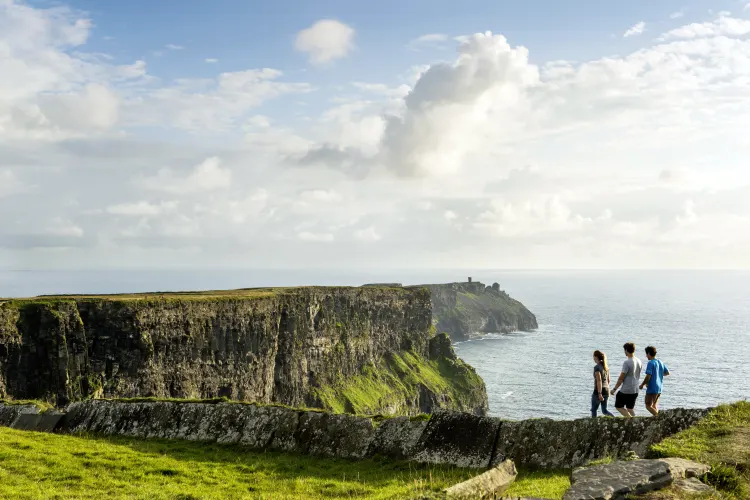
[
  {"x": 344, "y": 349},
  {"x": 465, "y": 309}
]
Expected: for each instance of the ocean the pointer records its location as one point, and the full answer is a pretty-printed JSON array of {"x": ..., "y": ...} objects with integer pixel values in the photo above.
[{"x": 698, "y": 320}]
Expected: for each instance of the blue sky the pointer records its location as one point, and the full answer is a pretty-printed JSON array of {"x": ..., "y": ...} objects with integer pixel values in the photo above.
[
  {"x": 326, "y": 134},
  {"x": 243, "y": 33}
]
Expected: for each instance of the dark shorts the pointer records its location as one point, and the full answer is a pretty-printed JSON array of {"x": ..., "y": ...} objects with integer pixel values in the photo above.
[{"x": 625, "y": 400}]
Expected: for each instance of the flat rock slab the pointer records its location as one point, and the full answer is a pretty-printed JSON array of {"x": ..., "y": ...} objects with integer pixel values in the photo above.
[
  {"x": 487, "y": 485},
  {"x": 617, "y": 480},
  {"x": 459, "y": 439}
]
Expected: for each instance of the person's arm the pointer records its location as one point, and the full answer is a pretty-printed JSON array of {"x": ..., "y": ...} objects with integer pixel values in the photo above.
[
  {"x": 645, "y": 380},
  {"x": 666, "y": 370},
  {"x": 620, "y": 380},
  {"x": 598, "y": 382}
]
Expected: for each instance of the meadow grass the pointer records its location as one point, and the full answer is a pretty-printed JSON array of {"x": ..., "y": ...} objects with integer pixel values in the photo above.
[{"x": 50, "y": 466}]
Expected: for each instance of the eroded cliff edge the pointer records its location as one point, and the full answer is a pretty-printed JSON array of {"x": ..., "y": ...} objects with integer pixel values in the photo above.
[
  {"x": 363, "y": 350},
  {"x": 465, "y": 309}
]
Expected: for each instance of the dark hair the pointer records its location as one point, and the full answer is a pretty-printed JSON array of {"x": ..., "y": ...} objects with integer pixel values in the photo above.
[
  {"x": 602, "y": 358},
  {"x": 629, "y": 346},
  {"x": 651, "y": 351}
]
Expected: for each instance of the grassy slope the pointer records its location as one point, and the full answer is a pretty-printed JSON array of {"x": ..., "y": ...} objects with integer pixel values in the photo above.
[
  {"x": 44, "y": 466},
  {"x": 397, "y": 379},
  {"x": 722, "y": 440}
]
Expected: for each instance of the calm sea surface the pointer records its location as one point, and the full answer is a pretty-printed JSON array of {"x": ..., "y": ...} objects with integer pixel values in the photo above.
[{"x": 699, "y": 321}]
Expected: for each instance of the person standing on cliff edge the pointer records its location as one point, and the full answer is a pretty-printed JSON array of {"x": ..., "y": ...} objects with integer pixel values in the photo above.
[
  {"x": 655, "y": 371},
  {"x": 629, "y": 377}
]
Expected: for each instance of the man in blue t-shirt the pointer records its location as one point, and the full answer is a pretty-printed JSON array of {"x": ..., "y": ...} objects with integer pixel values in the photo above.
[{"x": 655, "y": 371}]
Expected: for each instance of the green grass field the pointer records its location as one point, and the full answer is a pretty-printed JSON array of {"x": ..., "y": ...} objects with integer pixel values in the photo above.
[
  {"x": 49, "y": 466},
  {"x": 721, "y": 440}
]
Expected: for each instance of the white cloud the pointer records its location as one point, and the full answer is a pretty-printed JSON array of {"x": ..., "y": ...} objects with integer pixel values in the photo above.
[
  {"x": 142, "y": 208},
  {"x": 636, "y": 29},
  {"x": 211, "y": 60},
  {"x": 315, "y": 237},
  {"x": 172, "y": 46},
  {"x": 64, "y": 228},
  {"x": 210, "y": 105},
  {"x": 367, "y": 234},
  {"x": 677, "y": 15},
  {"x": 635, "y": 160},
  {"x": 724, "y": 25},
  {"x": 320, "y": 195},
  {"x": 325, "y": 41},
  {"x": 206, "y": 176},
  {"x": 431, "y": 40},
  {"x": 9, "y": 184}
]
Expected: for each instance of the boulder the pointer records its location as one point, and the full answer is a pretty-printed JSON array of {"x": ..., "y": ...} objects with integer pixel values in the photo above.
[
  {"x": 460, "y": 439},
  {"x": 490, "y": 484}
]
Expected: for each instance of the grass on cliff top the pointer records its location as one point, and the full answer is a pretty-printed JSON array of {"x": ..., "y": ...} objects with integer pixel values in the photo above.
[
  {"x": 43, "y": 466},
  {"x": 240, "y": 293},
  {"x": 722, "y": 440}
]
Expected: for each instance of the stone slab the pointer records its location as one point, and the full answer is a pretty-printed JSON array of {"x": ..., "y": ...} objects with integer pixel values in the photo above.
[
  {"x": 617, "y": 480},
  {"x": 49, "y": 421},
  {"x": 489, "y": 484},
  {"x": 459, "y": 439},
  {"x": 692, "y": 486},
  {"x": 27, "y": 421},
  {"x": 9, "y": 413},
  {"x": 682, "y": 468}
]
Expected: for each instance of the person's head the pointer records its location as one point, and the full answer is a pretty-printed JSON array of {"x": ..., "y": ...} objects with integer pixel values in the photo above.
[
  {"x": 629, "y": 348},
  {"x": 601, "y": 359},
  {"x": 650, "y": 352}
]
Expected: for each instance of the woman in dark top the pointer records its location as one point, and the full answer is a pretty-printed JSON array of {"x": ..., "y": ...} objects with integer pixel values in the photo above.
[{"x": 601, "y": 384}]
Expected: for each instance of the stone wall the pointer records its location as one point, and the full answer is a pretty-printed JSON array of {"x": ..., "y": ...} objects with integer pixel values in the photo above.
[
  {"x": 450, "y": 438},
  {"x": 270, "y": 346}
]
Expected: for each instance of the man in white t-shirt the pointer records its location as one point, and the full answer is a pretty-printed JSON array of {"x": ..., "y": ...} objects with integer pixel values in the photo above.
[{"x": 629, "y": 378}]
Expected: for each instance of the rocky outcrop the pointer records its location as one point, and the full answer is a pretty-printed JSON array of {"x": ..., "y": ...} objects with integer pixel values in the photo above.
[
  {"x": 619, "y": 480},
  {"x": 464, "y": 310},
  {"x": 305, "y": 347},
  {"x": 445, "y": 438}
]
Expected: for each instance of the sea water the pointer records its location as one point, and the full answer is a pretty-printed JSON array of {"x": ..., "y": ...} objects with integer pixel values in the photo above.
[{"x": 698, "y": 320}]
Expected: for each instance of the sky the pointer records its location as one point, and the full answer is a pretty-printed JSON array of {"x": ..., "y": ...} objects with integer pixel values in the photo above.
[{"x": 347, "y": 135}]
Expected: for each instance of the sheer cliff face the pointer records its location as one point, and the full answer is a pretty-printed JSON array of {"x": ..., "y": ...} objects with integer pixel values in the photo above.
[
  {"x": 465, "y": 309},
  {"x": 285, "y": 346}
]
